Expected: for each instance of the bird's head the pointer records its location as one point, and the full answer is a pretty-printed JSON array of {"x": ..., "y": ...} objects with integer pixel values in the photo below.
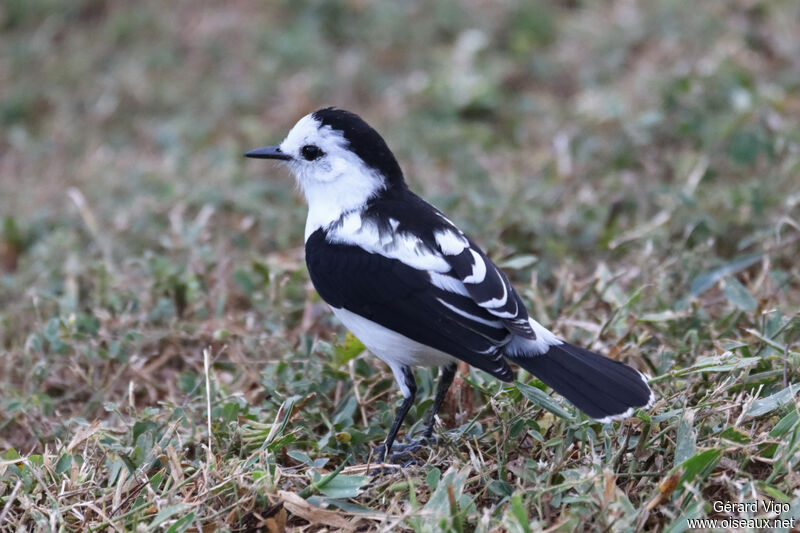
[{"x": 337, "y": 159}]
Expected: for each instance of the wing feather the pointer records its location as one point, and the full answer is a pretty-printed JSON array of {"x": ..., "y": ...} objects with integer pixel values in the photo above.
[
  {"x": 402, "y": 298},
  {"x": 491, "y": 291}
]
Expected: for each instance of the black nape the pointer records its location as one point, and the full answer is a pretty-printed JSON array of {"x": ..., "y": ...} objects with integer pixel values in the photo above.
[{"x": 364, "y": 141}]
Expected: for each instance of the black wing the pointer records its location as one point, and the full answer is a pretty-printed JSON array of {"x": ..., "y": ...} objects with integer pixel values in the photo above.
[
  {"x": 482, "y": 280},
  {"x": 490, "y": 289},
  {"x": 404, "y": 299}
]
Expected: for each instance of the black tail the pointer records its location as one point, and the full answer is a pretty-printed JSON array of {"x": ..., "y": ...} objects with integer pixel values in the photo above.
[{"x": 600, "y": 387}]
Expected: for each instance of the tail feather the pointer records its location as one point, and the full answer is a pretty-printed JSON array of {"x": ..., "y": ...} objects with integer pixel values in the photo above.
[{"x": 600, "y": 387}]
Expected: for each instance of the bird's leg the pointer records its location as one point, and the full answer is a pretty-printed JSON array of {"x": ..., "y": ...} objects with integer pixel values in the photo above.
[
  {"x": 409, "y": 387},
  {"x": 445, "y": 380}
]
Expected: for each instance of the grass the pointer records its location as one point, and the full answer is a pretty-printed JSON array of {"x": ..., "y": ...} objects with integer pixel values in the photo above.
[{"x": 167, "y": 366}]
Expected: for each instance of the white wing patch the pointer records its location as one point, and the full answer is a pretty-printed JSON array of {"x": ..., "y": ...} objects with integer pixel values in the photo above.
[
  {"x": 448, "y": 283},
  {"x": 478, "y": 269},
  {"x": 407, "y": 248},
  {"x": 492, "y": 323},
  {"x": 450, "y": 242},
  {"x": 498, "y": 302}
]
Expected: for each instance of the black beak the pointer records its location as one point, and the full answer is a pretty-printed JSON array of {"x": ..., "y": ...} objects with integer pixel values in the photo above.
[{"x": 268, "y": 152}]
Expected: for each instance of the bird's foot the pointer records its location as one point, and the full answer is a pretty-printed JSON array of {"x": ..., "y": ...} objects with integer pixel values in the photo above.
[
  {"x": 403, "y": 453},
  {"x": 379, "y": 456},
  {"x": 412, "y": 446}
]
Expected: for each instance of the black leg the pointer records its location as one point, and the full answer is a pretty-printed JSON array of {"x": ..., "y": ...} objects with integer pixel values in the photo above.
[
  {"x": 404, "y": 451},
  {"x": 409, "y": 386},
  {"x": 445, "y": 380}
]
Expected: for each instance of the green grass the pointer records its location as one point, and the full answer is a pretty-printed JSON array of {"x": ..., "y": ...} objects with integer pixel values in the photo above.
[{"x": 634, "y": 167}]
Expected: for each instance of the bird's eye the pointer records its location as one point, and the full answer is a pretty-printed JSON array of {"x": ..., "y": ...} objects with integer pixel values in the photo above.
[{"x": 311, "y": 152}]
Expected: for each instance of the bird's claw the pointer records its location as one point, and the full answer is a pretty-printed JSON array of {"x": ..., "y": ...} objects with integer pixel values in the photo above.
[{"x": 403, "y": 454}]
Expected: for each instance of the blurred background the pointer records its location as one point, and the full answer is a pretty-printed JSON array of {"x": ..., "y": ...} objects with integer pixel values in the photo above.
[{"x": 633, "y": 165}]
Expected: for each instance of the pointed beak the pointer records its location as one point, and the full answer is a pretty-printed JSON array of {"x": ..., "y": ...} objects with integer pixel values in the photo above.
[{"x": 268, "y": 152}]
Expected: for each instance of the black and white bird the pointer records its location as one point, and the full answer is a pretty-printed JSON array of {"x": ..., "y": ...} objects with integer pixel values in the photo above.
[{"x": 414, "y": 289}]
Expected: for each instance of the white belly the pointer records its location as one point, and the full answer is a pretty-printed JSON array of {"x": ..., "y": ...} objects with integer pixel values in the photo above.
[{"x": 393, "y": 348}]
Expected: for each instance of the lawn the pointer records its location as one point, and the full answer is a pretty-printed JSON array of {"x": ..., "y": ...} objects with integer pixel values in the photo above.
[{"x": 166, "y": 365}]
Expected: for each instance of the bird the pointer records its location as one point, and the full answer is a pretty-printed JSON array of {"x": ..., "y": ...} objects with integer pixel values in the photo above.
[{"x": 416, "y": 290}]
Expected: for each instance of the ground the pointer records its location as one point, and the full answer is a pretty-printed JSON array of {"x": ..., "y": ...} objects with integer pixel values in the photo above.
[{"x": 166, "y": 365}]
